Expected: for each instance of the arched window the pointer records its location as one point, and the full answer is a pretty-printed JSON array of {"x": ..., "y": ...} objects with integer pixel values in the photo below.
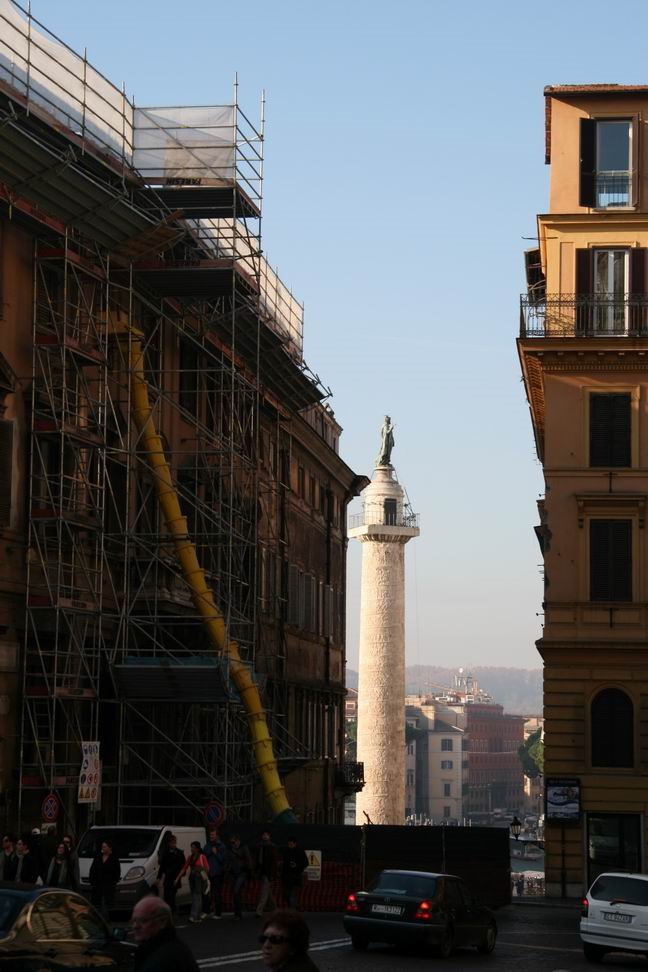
[{"x": 612, "y": 729}]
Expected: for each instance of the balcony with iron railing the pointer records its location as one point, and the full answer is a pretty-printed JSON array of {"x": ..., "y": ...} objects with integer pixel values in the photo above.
[
  {"x": 385, "y": 518},
  {"x": 584, "y": 315},
  {"x": 349, "y": 776},
  {"x": 613, "y": 189}
]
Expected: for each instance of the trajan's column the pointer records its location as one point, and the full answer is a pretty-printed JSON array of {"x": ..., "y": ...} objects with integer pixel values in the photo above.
[{"x": 386, "y": 526}]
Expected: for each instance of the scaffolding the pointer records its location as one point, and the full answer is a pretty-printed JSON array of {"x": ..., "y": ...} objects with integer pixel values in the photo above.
[{"x": 149, "y": 219}]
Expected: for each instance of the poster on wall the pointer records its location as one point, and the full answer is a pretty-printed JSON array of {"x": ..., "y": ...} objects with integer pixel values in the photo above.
[
  {"x": 90, "y": 774},
  {"x": 562, "y": 798}
]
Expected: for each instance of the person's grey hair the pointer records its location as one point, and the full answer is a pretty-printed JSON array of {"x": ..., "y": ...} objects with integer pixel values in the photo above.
[{"x": 162, "y": 910}]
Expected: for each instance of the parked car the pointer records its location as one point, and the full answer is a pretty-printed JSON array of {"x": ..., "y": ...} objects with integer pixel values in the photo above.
[
  {"x": 614, "y": 915},
  {"x": 46, "y": 930},
  {"x": 138, "y": 850},
  {"x": 419, "y": 907}
]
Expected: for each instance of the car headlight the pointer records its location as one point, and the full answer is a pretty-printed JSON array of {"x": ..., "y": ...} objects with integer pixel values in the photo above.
[{"x": 134, "y": 873}]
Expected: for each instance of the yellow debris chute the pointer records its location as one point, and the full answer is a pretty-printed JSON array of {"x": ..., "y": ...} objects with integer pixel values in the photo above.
[{"x": 201, "y": 595}]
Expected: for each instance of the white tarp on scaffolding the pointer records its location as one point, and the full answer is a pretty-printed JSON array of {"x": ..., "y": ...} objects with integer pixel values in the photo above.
[
  {"x": 284, "y": 313},
  {"x": 51, "y": 75},
  {"x": 196, "y": 146}
]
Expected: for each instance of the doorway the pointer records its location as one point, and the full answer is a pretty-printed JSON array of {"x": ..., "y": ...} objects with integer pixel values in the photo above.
[{"x": 613, "y": 843}]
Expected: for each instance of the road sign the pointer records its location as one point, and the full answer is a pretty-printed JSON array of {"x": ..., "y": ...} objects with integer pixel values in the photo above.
[
  {"x": 314, "y": 869},
  {"x": 50, "y": 808},
  {"x": 214, "y": 813}
]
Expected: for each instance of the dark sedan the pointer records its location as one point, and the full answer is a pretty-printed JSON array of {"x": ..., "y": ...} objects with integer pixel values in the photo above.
[
  {"x": 46, "y": 930},
  {"x": 419, "y": 908}
]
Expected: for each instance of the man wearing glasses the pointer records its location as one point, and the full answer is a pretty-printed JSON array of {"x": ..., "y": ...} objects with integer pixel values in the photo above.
[
  {"x": 158, "y": 947},
  {"x": 284, "y": 943}
]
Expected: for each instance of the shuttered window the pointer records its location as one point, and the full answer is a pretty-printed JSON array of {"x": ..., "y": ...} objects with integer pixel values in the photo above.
[
  {"x": 587, "y": 185},
  {"x": 609, "y": 429},
  {"x": 6, "y": 469},
  {"x": 293, "y": 595},
  {"x": 609, "y": 156},
  {"x": 610, "y": 560},
  {"x": 612, "y": 729}
]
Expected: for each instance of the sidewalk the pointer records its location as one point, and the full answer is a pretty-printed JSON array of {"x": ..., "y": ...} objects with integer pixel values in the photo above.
[{"x": 539, "y": 900}]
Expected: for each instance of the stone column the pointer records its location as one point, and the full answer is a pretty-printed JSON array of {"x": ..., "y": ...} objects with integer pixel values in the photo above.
[{"x": 385, "y": 530}]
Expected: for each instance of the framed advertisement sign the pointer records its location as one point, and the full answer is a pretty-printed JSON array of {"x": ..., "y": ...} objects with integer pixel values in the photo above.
[{"x": 562, "y": 799}]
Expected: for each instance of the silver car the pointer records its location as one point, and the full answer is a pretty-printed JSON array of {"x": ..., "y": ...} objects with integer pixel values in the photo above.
[{"x": 614, "y": 916}]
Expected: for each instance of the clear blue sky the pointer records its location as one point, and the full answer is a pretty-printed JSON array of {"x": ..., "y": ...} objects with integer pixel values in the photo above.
[{"x": 404, "y": 167}]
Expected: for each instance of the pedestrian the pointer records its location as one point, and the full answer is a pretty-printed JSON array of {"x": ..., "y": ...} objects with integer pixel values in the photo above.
[
  {"x": 294, "y": 863},
  {"x": 519, "y": 886},
  {"x": 198, "y": 868},
  {"x": 265, "y": 865},
  {"x": 171, "y": 864},
  {"x": 8, "y": 858},
  {"x": 238, "y": 867},
  {"x": 28, "y": 868},
  {"x": 105, "y": 872},
  {"x": 158, "y": 947},
  {"x": 48, "y": 845},
  {"x": 36, "y": 851},
  {"x": 216, "y": 853},
  {"x": 284, "y": 943},
  {"x": 73, "y": 858},
  {"x": 60, "y": 871}
]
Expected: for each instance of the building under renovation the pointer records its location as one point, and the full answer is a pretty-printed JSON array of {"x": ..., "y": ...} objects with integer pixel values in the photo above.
[{"x": 169, "y": 474}]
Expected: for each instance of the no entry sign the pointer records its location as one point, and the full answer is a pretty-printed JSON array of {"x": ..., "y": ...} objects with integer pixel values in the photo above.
[
  {"x": 214, "y": 813},
  {"x": 50, "y": 808}
]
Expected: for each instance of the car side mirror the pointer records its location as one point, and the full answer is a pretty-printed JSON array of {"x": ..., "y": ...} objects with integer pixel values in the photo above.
[{"x": 119, "y": 934}]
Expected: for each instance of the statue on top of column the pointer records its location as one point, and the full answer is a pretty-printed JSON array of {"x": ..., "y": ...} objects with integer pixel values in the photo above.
[{"x": 386, "y": 443}]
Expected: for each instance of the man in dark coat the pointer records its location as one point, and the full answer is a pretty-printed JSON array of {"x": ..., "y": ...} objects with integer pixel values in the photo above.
[
  {"x": 105, "y": 872},
  {"x": 265, "y": 865},
  {"x": 216, "y": 853},
  {"x": 294, "y": 863},
  {"x": 158, "y": 947},
  {"x": 28, "y": 870},
  {"x": 8, "y": 858},
  {"x": 171, "y": 863}
]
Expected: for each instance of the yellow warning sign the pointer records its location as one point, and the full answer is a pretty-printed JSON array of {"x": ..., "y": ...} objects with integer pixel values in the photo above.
[{"x": 314, "y": 869}]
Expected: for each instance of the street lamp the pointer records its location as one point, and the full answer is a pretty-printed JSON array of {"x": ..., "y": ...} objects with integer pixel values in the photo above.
[{"x": 516, "y": 827}]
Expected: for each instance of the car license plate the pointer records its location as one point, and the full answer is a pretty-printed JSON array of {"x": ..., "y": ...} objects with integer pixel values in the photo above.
[
  {"x": 617, "y": 916},
  {"x": 386, "y": 909}
]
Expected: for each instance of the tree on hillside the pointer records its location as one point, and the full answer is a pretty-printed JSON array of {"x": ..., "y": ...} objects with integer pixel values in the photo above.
[{"x": 531, "y": 753}]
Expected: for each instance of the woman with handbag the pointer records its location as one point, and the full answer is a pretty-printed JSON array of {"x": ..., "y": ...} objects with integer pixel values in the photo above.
[{"x": 198, "y": 868}]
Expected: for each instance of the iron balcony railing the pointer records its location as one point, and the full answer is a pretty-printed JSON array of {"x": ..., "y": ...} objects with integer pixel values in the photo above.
[
  {"x": 581, "y": 315},
  {"x": 350, "y": 775},
  {"x": 379, "y": 517},
  {"x": 613, "y": 189}
]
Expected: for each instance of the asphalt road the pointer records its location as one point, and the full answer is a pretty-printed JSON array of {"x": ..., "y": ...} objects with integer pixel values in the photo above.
[{"x": 531, "y": 937}]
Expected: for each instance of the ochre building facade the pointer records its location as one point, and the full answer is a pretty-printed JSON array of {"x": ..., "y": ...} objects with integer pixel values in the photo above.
[{"x": 584, "y": 352}]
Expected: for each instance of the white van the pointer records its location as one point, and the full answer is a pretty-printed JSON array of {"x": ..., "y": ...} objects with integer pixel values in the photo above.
[{"x": 138, "y": 849}]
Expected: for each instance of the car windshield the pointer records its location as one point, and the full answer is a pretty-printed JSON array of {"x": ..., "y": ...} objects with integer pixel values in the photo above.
[
  {"x": 617, "y": 887},
  {"x": 125, "y": 843},
  {"x": 10, "y": 906},
  {"x": 417, "y": 885}
]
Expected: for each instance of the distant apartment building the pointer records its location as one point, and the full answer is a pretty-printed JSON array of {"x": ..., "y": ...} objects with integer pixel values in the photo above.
[
  {"x": 438, "y": 774},
  {"x": 495, "y": 774},
  {"x": 467, "y": 761}
]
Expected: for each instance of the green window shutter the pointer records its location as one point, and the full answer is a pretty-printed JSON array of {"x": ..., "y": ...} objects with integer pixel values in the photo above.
[
  {"x": 610, "y": 429},
  {"x": 610, "y": 560},
  {"x": 6, "y": 471},
  {"x": 587, "y": 183}
]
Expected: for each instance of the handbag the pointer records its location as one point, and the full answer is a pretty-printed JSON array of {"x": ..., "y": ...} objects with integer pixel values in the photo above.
[{"x": 205, "y": 885}]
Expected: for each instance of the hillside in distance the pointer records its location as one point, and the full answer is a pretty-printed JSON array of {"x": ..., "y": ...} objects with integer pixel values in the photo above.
[{"x": 519, "y": 690}]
